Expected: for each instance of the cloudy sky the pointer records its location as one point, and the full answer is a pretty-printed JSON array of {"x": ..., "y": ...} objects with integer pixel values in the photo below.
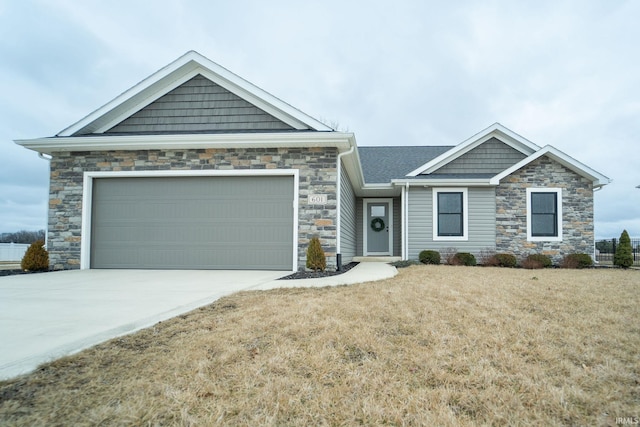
[{"x": 564, "y": 73}]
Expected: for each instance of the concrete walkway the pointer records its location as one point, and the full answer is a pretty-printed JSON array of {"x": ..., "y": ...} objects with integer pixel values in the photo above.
[{"x": 50, "y": 315}]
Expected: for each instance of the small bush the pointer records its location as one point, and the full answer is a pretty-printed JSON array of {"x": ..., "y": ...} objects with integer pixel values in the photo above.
[
  {"x": 429, "y": 257},
  {"x": 36, "y": 258},
  {"x": 577, "y": 261},
  {"x": 464, "y": 258},
  {"x": 535, "y": 261},
  {"x": 504, "y": 260},
  {"x": 623, "y": 257},
  {"x": 449, "y": 254},
  {"x": 486, "y": 257},
  {"x": 316, "y": 260},
  {"x": 404, "y": 263}
]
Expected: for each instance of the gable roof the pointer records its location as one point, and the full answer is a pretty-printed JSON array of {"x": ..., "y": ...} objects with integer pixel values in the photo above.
[
  {"x": 172, "y": 76},
  {"x": 496, "y": 130},
  {"x": 567, "y": 161}
]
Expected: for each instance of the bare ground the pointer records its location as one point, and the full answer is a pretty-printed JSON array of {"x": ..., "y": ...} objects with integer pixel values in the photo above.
[{"x": 436, "y": 345}]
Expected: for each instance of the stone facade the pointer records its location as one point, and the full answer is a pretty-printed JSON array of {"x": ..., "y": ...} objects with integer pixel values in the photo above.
[
  {"x": 317, "y": 175},
  {"x": 577, "y": 211}
]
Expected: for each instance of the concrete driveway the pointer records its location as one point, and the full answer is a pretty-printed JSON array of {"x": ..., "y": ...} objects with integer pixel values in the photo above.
[{"x": 49, "y": 315}]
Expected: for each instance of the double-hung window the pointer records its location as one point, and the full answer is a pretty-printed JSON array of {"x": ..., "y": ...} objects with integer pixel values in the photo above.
[
  {"x": 544, "y": 214},
  {"x": 450, "y": 217}
]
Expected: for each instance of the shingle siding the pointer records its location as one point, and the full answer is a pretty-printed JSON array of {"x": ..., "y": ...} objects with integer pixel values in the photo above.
[
  {"x": 492, "y": 157},
  {"x": 199, "y": 105}
]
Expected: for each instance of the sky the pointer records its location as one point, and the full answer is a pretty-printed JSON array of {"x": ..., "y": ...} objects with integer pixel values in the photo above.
[{"x": 564, "y": 73}]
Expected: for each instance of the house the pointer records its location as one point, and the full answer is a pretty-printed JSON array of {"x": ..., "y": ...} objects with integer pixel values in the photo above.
[{"x": 196, "y": 168}]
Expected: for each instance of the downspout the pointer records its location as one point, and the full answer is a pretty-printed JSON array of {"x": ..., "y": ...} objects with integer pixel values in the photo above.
[
  {"x": 338, "y": 207},
  {"x": 46, "y": 229},
  {"x": 405, "y": 225}
]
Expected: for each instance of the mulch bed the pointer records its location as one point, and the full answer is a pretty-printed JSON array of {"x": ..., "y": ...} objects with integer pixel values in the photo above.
[
  {"x": 318, "y": 274},
  {"x": 15, "y": 272}
]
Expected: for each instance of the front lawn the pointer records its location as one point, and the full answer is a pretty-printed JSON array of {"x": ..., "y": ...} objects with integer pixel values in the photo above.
[{"x": 436, "y": 345}]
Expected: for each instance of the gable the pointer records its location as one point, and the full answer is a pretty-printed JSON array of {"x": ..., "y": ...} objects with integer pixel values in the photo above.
[
  {"x": 174, "y": 75},
  {"x": 495, "y": 131},
  {"x": 492, "y": 156},
  {"x": 199, "y": 105}
]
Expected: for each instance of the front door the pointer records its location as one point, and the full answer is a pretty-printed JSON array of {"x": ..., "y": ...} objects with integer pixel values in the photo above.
[{"x": 378, "y": 226}]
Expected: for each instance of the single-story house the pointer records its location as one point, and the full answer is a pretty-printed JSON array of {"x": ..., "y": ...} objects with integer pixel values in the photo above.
[{"x": 196, "y": 168}]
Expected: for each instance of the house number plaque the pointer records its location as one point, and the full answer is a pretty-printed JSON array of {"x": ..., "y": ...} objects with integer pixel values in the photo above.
[{"x": 317, "y": 199}]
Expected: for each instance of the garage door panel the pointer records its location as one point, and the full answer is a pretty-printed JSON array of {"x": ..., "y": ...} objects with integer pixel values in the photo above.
[{"x": 193, "y": 222}]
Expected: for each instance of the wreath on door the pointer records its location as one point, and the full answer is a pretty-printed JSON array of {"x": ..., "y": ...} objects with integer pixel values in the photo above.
[{"x": 377, "y": 224}]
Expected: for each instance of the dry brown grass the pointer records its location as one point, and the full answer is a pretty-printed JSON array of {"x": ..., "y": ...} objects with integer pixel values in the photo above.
[{"x": 437, "y": 345}]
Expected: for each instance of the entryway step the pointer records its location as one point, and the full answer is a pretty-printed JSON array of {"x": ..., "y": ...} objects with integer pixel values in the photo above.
[{"x": 376, "y": 258}]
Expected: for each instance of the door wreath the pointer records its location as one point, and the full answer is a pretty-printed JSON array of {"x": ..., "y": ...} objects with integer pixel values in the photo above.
[{"x": 377, "y": 224}]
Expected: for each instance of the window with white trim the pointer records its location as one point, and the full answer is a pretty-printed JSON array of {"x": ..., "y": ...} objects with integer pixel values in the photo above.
[
  {"x": 544, "y": 214},
  {"x": 450, "y": 214}
]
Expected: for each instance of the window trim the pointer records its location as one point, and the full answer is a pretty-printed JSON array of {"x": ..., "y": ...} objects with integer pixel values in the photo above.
[
  {"x": 530, "y": 237},
  {"x": 465, "y": 213}
]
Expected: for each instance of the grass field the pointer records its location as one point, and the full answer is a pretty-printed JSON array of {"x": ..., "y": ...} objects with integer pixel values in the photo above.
[{"x": 436, "y": 345}]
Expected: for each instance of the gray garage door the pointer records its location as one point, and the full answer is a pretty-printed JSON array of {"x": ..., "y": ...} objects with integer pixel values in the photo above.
[{"x": 193, "y": 223}]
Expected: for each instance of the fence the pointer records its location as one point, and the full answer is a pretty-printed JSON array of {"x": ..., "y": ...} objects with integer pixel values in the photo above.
[
  {"x": 605, "y": 249},
  {"x": 12, "y": 251}
]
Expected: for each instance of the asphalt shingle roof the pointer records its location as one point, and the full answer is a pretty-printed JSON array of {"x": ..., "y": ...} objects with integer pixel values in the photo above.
[{"x": 382, "y": 164}]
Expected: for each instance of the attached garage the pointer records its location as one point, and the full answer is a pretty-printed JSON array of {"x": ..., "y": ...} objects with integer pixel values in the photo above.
[{"x": 192, "y": 222}]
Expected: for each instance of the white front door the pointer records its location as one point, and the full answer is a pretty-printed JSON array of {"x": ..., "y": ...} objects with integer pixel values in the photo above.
[{"x": 378, "y": 226}]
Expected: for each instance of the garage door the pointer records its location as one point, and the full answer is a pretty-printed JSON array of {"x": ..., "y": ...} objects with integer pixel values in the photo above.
[{"x": 234, "y": 222}]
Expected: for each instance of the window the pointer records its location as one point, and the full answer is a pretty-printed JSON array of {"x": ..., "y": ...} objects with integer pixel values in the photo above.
[
  {"x": 544, "y": 214},
  {"x": 450, "y": 220}
]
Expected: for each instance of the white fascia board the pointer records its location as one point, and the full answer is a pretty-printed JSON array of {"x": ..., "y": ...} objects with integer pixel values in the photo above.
[
  {"x": 496, "y": 130},
  {"x": 567, "y": 161},
  {"x": 177, "y": 73},
  {"x": 340, "y": 140},
  {"x": 460, "y": 182}
]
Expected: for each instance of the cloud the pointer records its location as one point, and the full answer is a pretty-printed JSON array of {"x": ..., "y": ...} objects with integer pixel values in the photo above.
[{"x": 402, "y": 73}]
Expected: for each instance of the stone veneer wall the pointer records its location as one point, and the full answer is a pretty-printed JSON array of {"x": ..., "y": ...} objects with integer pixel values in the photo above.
[
  {"x": 577, "y": 211},
  {"x": 317, "y": 175}
]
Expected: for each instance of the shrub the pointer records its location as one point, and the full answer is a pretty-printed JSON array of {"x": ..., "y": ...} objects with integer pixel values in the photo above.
[
  {"x": 504, "y": 260},
  {"x": 36, "y": 258},
  {"x": 316, "y": 260},
  {"x": 623, "y": 257},
  {"x": 577, "y": 261},
  {"x": 429, "y": 257},
  {"x": 449, "y": 254},
  {"x": 535, "y": 261},
  {"x": 464, "y": 258},
  {"x": 486, "y": 257},
  {"x": 404, "y": 263}
]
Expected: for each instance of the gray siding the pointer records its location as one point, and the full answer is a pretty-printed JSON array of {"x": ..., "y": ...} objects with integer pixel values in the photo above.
[
  {"x": 348, "y": 230},
  {"x": 492, "y": 156},
  {"x": 482, "y": 222},
  {"x": 199, "y": 105},
  {"x": 397, "y": 226}
]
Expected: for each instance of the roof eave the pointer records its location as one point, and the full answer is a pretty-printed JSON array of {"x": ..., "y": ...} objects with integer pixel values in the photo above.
[
  {"x": 341, "y": 140},
  {"x": 567, "y": 161},
  {"x": 444, "y": 182}
]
